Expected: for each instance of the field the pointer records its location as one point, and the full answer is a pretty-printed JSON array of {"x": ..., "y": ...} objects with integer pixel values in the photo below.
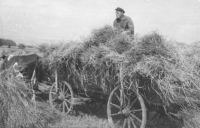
[{"x": 16, "y": 51}]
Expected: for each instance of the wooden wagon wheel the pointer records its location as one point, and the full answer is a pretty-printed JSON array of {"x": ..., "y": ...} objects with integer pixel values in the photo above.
[
  {"x": 61, "y": 97},
  {"x": 130, "y": 114}
]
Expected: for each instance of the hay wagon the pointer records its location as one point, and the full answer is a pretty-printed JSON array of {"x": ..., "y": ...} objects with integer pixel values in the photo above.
[{"x": 128, "y": 102}]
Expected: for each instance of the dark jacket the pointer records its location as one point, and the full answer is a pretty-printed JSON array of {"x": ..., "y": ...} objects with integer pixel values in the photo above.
[{"x": 125, "y": 23}]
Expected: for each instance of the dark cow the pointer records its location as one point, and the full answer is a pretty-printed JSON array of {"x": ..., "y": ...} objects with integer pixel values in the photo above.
[{"x": 26, "y": 66}]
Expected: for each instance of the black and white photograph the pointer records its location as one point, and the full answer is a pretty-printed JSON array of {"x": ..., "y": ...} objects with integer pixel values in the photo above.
[{"x": 99, "y": 63}]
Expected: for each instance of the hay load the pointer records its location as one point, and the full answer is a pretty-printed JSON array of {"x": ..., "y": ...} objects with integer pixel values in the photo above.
[
  {"x": 151, "y": 56},
  {"x": 17, "y": 109},
  {"x": 172, "y": 69}
]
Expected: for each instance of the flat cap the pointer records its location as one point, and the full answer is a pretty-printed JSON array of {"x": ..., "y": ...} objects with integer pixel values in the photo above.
[{"x": 120, "y": 9}]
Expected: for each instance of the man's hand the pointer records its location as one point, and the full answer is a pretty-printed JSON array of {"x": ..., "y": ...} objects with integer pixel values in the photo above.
[
  {"x": 125, "y": 32},
  {"x": 117, "y": 30}
]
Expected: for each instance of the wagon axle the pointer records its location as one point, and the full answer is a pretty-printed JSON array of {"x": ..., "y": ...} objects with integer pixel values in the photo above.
[{"x": 61, "y": 96}]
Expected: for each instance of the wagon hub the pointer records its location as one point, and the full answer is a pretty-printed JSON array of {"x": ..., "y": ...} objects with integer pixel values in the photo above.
[
  {"x": 61, "y": 96},
  {"x": 126, "y": 111}
]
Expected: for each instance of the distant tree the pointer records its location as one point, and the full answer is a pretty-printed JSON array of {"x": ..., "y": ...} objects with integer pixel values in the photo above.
[
  {"x": 1, "y": 42},
  {"x": 7, "y": 42},
  {"x": 22, "y": 46},
  {"x": 196, "y": 43},
  {"x": 10, "y": 43},
  {"x": 29, "y": 46}
]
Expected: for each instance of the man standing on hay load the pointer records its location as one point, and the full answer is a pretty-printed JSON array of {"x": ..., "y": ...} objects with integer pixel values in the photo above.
[{"x": 123, "y": 22}]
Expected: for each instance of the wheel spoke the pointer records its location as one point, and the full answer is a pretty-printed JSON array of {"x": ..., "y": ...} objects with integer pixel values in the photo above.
[
  {"x": 132, "y": 103},
  {"x": 127, "y": 99},
  {"x": 67, "y": 97},
  {"x": 124, "y": 124},
  {"x": 56, "y": 105},
  {"x": 68, "y": 101},
  {"x": 60, "y": 87},
  {"x": 66, "y": 105},
  {"x": 63, "y": 104},
  {"x": 117, "y": 96},
  {"x": 129, "y": 123},
  {"x": 53, "y": 93},
  {"x": 62, "y": 90},
  {"x": 155, "y": 116},
  {"x": 138, "y": 110},
  {"x": 133, "y": 123},
  {"x": 63, "y": 87},
  {"x": 116, "y": 114},
  {"x": 136, "y": 118},
  {"x": 53, "y": 90},
  {"x": 125, "y": 102},
  {"x": 115, "y": 105},
  {"x": 118, "y": 122},
  {"x": 66, "y": 92},
  {"x": 128, "y": 102}
]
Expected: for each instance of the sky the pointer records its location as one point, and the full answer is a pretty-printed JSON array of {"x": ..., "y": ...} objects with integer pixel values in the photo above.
[{"x": 41, "y": 21}]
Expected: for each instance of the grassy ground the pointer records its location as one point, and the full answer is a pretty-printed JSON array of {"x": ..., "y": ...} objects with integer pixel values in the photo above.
[
  {"x": 87, "y": 118},
  {"x": 85, "y": 121}
]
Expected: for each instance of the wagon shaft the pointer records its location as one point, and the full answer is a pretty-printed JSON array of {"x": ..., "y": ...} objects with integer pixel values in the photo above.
[
  {"x": 43, "y": 87},
  {"x": 80, "y": 100}
]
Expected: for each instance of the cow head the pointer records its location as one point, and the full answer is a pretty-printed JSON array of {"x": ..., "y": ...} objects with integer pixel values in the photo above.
[{"x": 19, "y": 75}]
